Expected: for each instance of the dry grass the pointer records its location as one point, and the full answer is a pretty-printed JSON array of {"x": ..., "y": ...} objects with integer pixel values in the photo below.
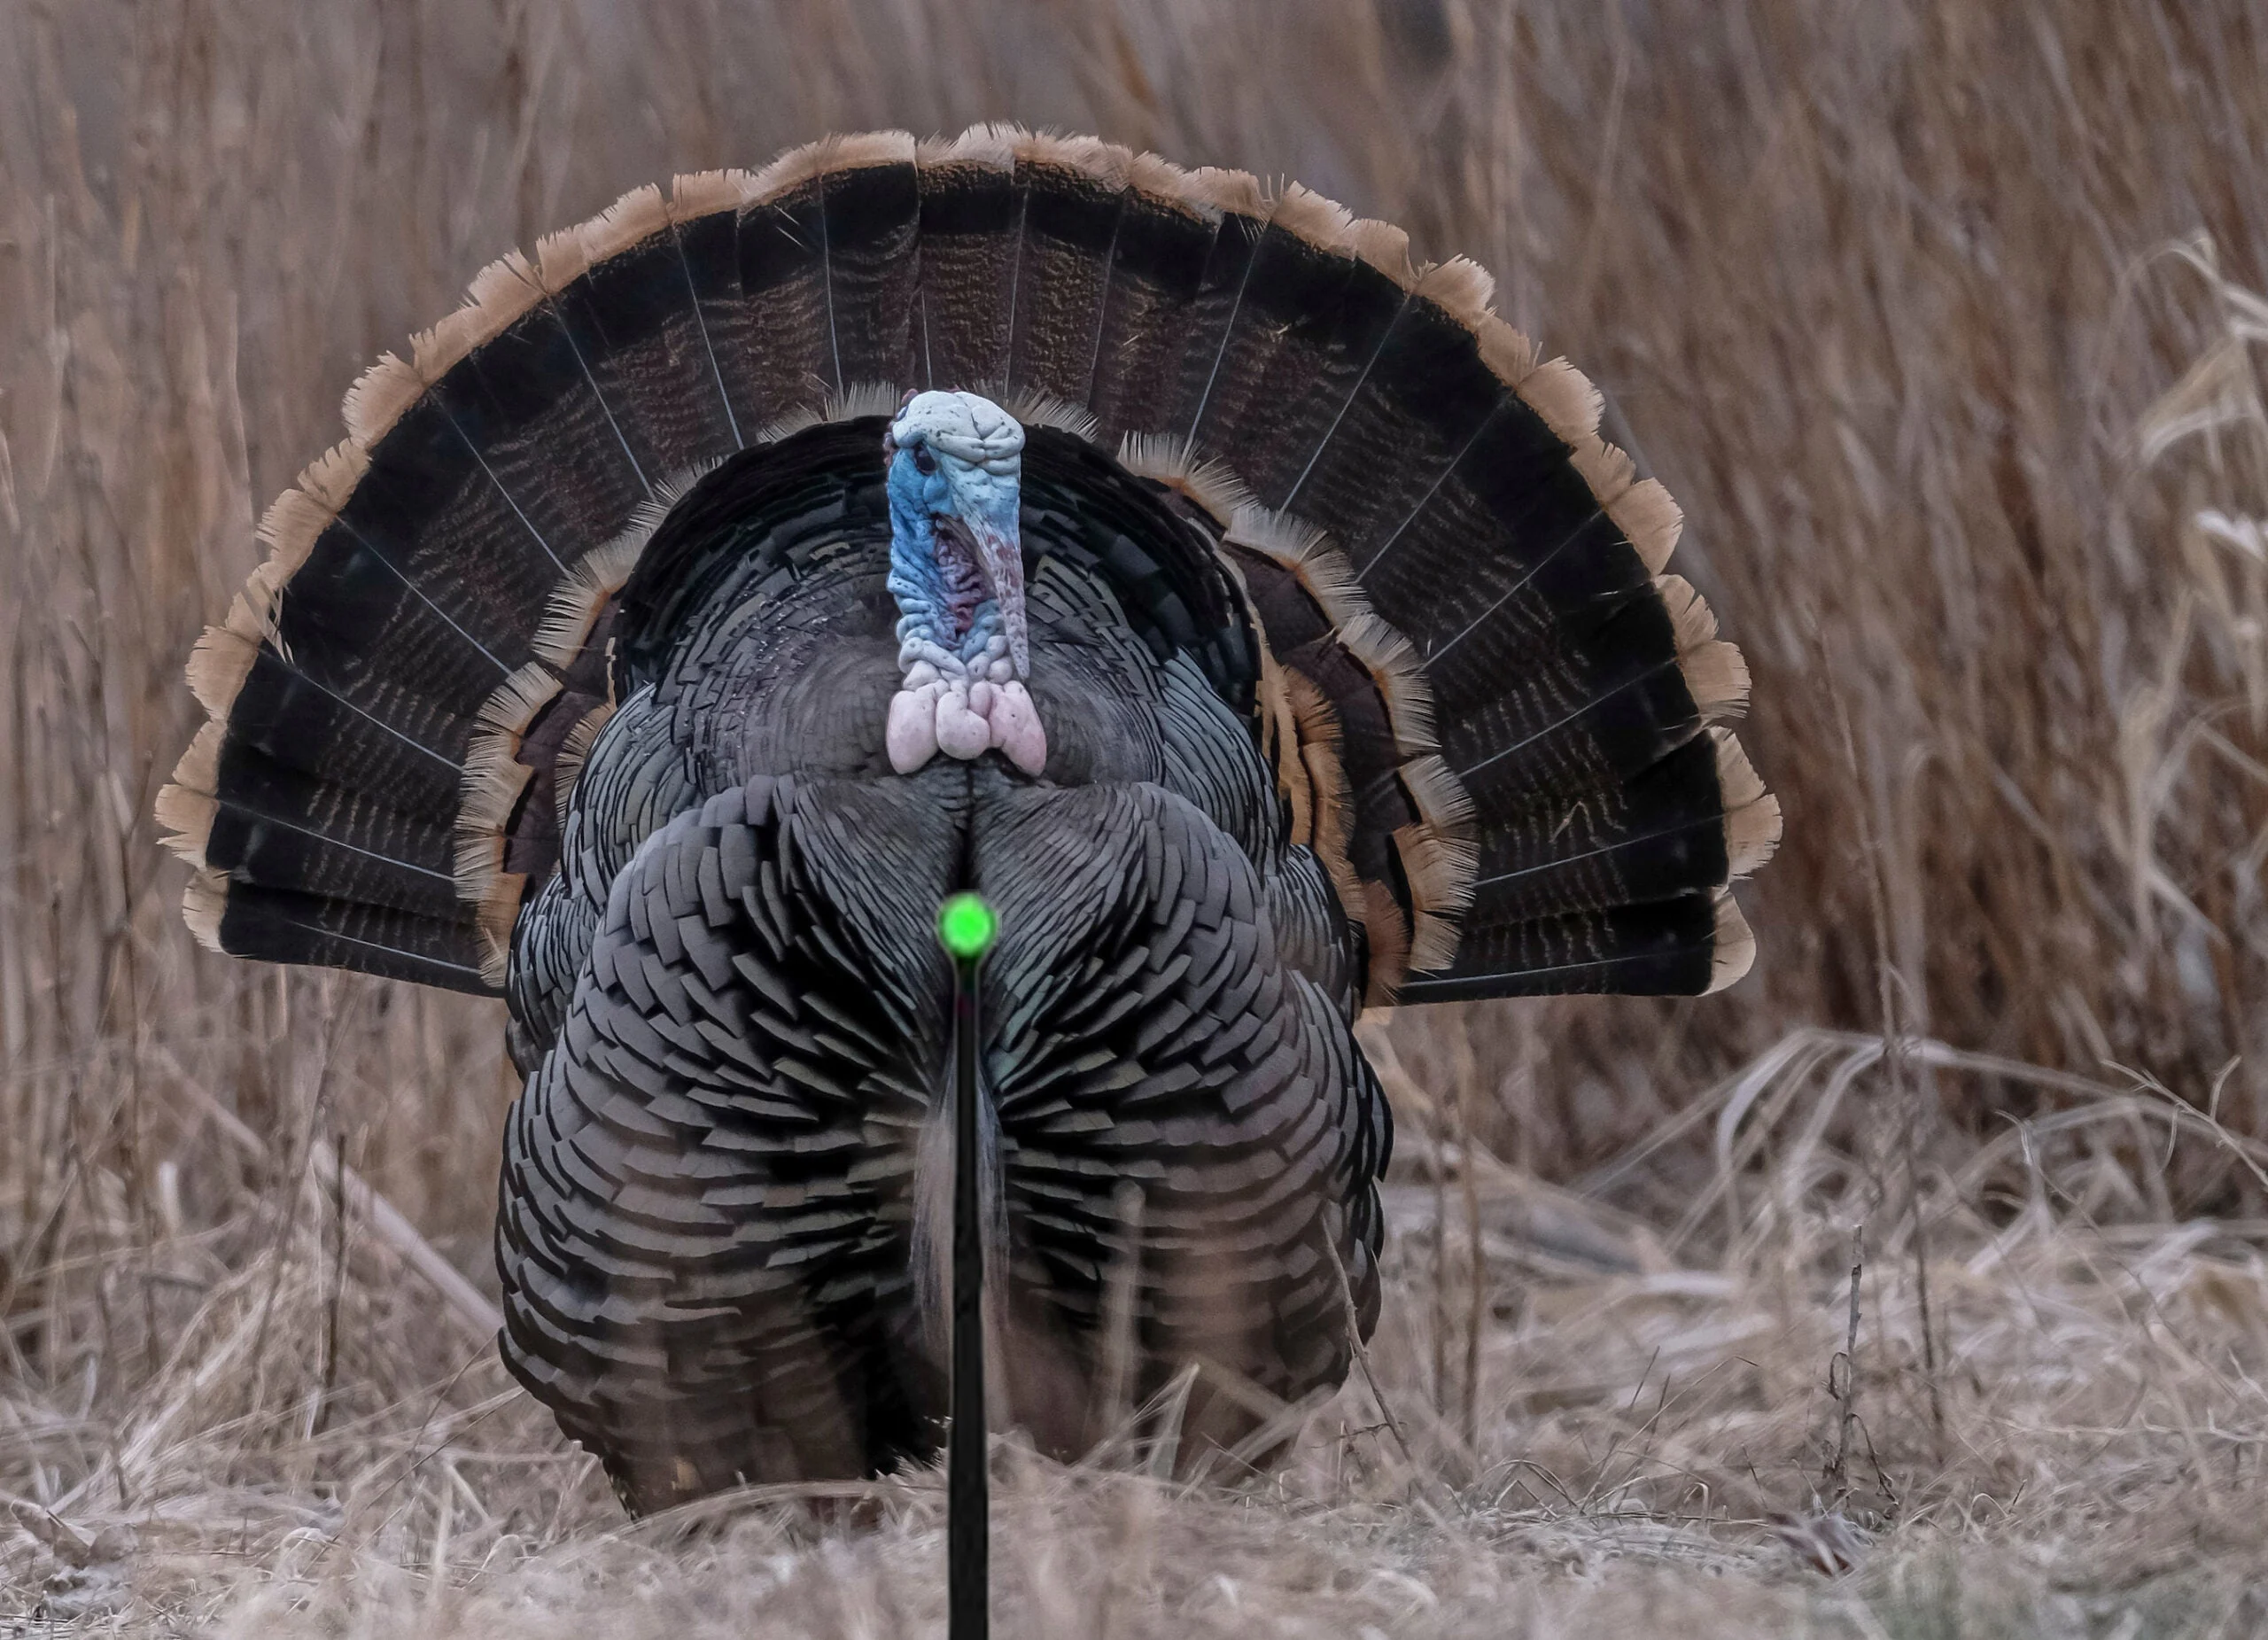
[
  {"x": 1934, "y": 315},
  {"x": 1654, "y": 1428}
]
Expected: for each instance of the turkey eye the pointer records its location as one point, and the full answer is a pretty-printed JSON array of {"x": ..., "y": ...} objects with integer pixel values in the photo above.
[{"x": 924, "y": 462}]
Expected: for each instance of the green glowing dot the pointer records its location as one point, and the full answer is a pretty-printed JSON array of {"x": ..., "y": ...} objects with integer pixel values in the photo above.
[{"x": 967, "y": 926}]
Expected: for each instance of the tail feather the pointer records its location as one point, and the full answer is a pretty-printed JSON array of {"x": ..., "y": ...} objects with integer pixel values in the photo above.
[
  {"x": 1513, "y": 556},
  {"x": 1422, "y": 395},
  {"x": 637, "y": 328},
  {"x": 872, "y": 220},
  {"x": 1696, "y": 816},
  {"x": 1576, "y": 723},
  {"x": 272, "y": 925},
  {"x": 412, "y": 569},
  {"x": 769, "y": 325},
  {"x": 1212, "y": 311},
  {"x": 1074, "y": 195},
  {"x": 368, "y": 853},
  {"x": 528, "y": 408},
  {"x": 1162, "y": 245},
  {"x": 1318, "y": 314},
  {"x": 1288, "y": 313},
  {"x": 1510, "y": 544},
  {"x": 394, "y": 744},
  {"x": 707, "y": 229},
  {"x": 972, "y": 215},
  {"x": 1681, "y": 946}
]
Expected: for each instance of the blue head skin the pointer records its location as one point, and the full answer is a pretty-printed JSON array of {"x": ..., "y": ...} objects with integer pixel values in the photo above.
[{"x": 956, "y": 559}]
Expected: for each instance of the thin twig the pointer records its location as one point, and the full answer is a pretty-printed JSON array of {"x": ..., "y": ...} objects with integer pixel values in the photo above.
[
  {"x": 1363, "y": 1354},
  {"x": 1476, "y": 1262},
  {"x": 1846, "y": 1397}
]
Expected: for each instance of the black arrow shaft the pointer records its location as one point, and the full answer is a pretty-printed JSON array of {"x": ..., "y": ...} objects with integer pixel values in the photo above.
[{"x": 967, "y": 1506}]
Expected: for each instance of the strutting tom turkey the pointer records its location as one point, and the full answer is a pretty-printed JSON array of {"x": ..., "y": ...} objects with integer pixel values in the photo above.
[{"x": 1247, "y": 611}]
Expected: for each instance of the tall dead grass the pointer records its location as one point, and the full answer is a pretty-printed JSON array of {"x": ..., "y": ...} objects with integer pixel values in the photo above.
[{"x": 1934, "y": 315}]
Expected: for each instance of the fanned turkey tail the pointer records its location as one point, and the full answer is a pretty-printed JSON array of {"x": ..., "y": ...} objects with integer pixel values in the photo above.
[{"x": 1490, "y": 710}]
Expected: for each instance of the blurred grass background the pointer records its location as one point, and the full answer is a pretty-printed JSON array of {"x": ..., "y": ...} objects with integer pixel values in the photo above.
[{"x": 1932, "y": 313}]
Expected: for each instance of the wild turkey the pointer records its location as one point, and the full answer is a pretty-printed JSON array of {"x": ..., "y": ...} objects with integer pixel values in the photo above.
[{"x": 1247, "y": 611}]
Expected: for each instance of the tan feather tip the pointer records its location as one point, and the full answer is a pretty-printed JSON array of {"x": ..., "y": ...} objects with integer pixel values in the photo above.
[
  {"x": 331, "y": 476},
  {"x": 290, "y": 525},
  {"x": 199, "y": 767},
  {"x": 507, "y": 282},
  {"x": 491, "y": 789},
  {"x": 1461, "y": 288},
  {"x": 1321, "y": 568},
  {"x": 1035, "y": 407},
  {"x": 562, "y": 258},
  {"x": 499, "y": 909},
  {"x": 864, "y": 149},
  {"x": 1215, "y": 189},
  {"x": 858, "y": 399},
  {"x": 500, "y": 296},
  {"x": 477, "y": 864},
  {"x": 1314, "y": 719},
  {"x": 581, "y": 596},
  {"x": 378, "y": 396},
  {"x": 252, "y": 613},
  {"x": 1689, "y": 614},
  {"x": 787, "y": 424},
  {"x": 513, "y": 705},
  {"x": 696, "y": 194},
  {"x": 1327, "y": 578},
  {"x": 1160, "y": 179},
  {"x": 1733, "y": 951},
  {"x": 187, "y": 817},
  {"x": 203, "y": 904},
  {"x": 790, "y": 170},
  {"x": 1325, "y": 224},
  {"x": 1316, "y": 749},
  {"x": 1173, "y": 461},
  {"x": 1507, "y": 353},
  {"x": 1108, "y": 165},
  {"x": 1433, "y": 943},
  {"x": 1440, "y": 872},
  {"x": 1715, "y": 673},
  {"x": 1717, "y": 676},
  {"x": 991, "y": 147},
  {"x": 290, "y": 528},
  {"x": 574, "y": 752},
  {"x": 1608, "y": 470},
  {"x": 1440, "y": 799},
  {"x": 492, "y": 784},
  {"x": 1565, "y": 397},
  {"x": 1385, "y": 247},
  {"x": 1388, "y": 934},
  {"x": 1401, "y": 678},
  {"x": 217, "y": 669},
  {"x": 435, "y": 350},
  {"x": 1751, "y": 813},
  {"x": 1753, "y": 836},
  {"x": 1651, "y": 519},
  {"x": 1286, "y": 538},
  {"x": 632, "y": 219},
  {"x": 1279, "y": 739}
]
